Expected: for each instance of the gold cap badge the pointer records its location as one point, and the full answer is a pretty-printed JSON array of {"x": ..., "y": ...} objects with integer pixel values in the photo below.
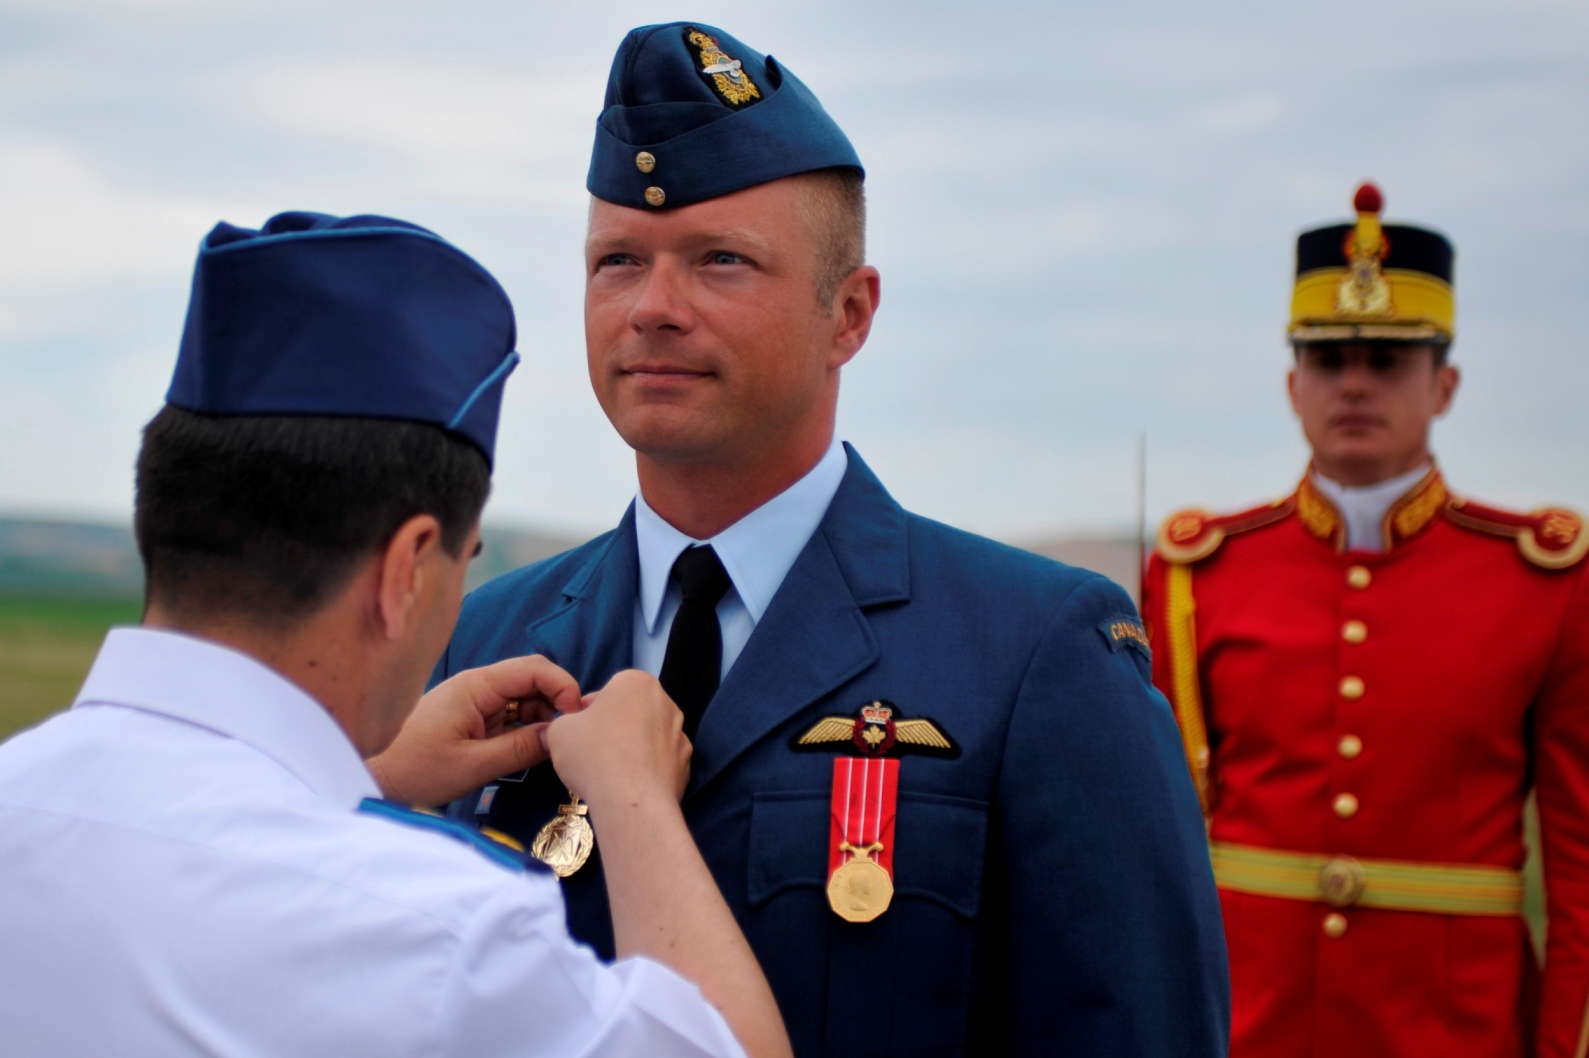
[{"x": 727, "y": 75}]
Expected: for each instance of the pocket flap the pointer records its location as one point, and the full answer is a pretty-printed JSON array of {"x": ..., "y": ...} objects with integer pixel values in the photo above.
[{"x": 939, "y": 846}]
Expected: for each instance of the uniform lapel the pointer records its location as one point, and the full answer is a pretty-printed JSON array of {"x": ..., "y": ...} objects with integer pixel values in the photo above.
[
  {"x": 815, "y": 635},
  {"x": 592, "y": 635}
]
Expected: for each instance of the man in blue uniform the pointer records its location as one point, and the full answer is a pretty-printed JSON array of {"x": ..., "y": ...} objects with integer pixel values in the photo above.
[{"x": 930, "y": 772}]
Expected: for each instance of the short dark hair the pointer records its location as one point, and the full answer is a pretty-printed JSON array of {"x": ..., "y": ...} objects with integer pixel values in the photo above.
[{"x": 265, "y": 517}]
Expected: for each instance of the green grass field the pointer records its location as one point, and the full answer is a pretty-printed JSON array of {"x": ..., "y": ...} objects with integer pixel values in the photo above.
[{"x": 46, "y": 646}]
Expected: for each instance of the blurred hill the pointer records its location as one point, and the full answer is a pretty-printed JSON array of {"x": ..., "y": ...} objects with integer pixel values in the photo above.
[
  {"x": 65, "y": 560},
  {"x": 44, "y": 559},
  {"x": 74, "y": 560}
]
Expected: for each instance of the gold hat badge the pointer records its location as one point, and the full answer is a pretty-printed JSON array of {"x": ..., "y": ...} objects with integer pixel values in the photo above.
[
  {"x": 1364, "y": 291},
  {"x": 728, "y": 75}
]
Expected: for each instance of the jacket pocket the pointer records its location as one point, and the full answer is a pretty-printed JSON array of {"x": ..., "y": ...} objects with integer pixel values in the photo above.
[
  {"x": 897, "y": 985},
  {"x": 939, "y": 844}
]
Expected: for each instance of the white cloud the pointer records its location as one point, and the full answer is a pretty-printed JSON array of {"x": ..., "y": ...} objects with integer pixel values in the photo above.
[
  {"x": 66, "y": 225},
  {"x": 466, "y": 132}
]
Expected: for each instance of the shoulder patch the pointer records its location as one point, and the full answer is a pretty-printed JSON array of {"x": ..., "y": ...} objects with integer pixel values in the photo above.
[
  {"x": 497, "y": 847},
  {"x": 1124, "y": 631},
  {"x": 1192, "y": 535},
  {"x": 1550, "y": 537}
]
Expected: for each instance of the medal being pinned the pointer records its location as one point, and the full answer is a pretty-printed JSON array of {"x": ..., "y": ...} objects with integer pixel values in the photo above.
[
  {"x": 865, "y": 793},
  {"x": 565, "y": 842}
]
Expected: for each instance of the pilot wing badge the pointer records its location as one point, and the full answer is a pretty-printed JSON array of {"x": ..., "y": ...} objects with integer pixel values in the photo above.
[
  {"x": 877, "y": 730},
  {"x": 727, "y": 75},
  {"x": 865, "y": 794}
]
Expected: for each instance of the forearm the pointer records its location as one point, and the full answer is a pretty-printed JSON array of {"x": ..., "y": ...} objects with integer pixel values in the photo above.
[{"x": 666, "y": 906}]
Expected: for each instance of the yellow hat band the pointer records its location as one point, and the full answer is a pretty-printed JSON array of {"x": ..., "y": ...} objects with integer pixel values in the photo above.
[{"x": 1422, "y": 308}]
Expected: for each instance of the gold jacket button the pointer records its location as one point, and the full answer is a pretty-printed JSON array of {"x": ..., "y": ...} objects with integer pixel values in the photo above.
[
  {"x": 1345, "y": 805},
  {"x": 1335, "y": 925},
  {"x": 1352, "y": 688},
  {"x": 1354, "y": 631},
  {"x": 1359, "y": 577},
  {"x": 655, "y": 196},
  {"x": 1349, "y": 746},
  {"x": 645, "y": 161}
]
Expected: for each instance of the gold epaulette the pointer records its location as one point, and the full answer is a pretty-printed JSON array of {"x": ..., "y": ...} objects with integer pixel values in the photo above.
[
  {"x": 1550, "y": 537},
  {"x": 1192, "y": 535}
]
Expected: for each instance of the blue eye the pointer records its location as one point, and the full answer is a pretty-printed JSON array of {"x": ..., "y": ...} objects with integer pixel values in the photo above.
[{"x": 723, "y": 257}]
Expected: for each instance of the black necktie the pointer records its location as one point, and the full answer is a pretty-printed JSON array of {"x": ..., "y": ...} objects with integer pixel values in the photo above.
[{"x": 694, "y": 661}]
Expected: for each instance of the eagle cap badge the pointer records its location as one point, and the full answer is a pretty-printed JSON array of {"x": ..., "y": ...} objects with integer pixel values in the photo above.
[
  {"x": 877, "y": 730},
  {"x": 726, "y": 75}
]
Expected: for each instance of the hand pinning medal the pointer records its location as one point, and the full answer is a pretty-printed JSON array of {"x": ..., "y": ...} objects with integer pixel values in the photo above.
[
  {"x": 566, "y": 841},
  {"x": 865, "y": 792}
]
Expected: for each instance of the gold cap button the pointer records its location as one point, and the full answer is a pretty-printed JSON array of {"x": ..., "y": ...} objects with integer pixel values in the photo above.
[
  {"x": 645, "y": 161},
  {"x": 1354, "y": 631},
  {"x": 1335, "y": 925},
  {"x": 1351, "y": 688},
  {"x": 1359, "y": 576},
  {"x": 656, "y": 196},
  {"x": 1345, "y": 805},
  {"x": 1349, "y": 746}
]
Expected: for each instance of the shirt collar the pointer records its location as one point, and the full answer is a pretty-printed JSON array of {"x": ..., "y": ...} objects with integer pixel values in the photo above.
[
  {"x": 1363, "y": 507},
  {"x": 228, "y": 692},
  {"x": 757, "y": 551}
]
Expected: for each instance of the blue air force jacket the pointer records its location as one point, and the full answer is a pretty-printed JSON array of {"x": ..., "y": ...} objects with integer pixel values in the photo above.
[{"x": 1053, "y": 889}]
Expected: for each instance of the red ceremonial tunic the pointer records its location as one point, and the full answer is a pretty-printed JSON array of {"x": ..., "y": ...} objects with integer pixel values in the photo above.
[{"x": 1392, "y": 706}]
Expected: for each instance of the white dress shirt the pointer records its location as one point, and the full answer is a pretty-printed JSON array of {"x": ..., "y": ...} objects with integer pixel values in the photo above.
[
  {"x": 1364, "y": 506},
  {"x": 183, "y": 871},
  {"x": 756, "y": 551}
]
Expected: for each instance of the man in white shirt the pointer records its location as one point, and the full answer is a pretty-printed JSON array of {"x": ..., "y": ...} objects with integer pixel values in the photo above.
[{"x": 195, "y": 858}]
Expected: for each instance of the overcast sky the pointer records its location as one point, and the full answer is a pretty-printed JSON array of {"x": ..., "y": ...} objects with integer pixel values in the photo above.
[{"x": 1084, "y": 215}]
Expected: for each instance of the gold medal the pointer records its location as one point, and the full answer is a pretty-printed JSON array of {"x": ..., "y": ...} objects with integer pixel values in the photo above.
[
  {"x": 860, "y": 890},
  {"x": 564, "y": 843}
]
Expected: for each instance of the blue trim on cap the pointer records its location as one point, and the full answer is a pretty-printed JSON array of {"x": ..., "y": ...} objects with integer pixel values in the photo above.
[
  {"x": 491, "y": 850},
  {"x": 501, "y": 371},
  {"x": 256, "y": 241}
]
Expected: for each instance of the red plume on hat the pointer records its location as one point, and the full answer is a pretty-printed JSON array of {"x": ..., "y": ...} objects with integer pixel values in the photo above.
[{"x": 1366, "y": 241}]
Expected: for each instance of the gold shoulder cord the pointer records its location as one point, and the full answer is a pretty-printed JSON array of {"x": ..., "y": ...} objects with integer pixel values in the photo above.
[{"x": 1181, "y": 629}]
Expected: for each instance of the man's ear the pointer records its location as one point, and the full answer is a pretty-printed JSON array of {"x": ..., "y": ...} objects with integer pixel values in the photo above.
[
  {"x": 1447, "y": 378},
  {"x": 856, "y": 301},
  {"x": 405, "y": 563},
  {"x": 1291, "y": 391}
]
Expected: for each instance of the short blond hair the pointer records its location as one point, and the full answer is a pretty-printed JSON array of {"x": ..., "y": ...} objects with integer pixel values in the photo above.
[{"x": 834, "y": 207}]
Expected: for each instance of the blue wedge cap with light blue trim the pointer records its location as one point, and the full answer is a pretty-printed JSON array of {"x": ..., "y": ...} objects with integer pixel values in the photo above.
[
  {"x": 365, "y": 317},
  {"x": 692, "y": 114}
]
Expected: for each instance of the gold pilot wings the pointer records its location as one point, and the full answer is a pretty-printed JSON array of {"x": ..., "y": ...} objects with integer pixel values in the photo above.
[{"x": 877, "y": 730}]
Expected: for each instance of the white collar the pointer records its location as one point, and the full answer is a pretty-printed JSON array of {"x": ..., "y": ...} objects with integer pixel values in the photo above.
[
  {"x": 1364, "y": 506},
  {"x": 757, "y": 551},
  {"x": 222, "y": 689}
]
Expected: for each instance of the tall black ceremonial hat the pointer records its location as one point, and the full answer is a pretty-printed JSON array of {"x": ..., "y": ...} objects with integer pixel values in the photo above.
[
  {"x": 692, "y": 114},
  {"x": 1373, "y": 281}
]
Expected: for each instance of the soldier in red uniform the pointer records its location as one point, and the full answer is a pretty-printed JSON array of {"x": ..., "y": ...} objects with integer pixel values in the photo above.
[{"x": 1370, "y": 675}]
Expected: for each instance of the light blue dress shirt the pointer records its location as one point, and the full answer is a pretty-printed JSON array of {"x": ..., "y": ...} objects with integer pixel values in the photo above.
[{"x": 756, "y": 551}]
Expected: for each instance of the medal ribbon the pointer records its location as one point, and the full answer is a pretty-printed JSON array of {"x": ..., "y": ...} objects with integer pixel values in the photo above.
[{"x": 864, "y": 792}]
